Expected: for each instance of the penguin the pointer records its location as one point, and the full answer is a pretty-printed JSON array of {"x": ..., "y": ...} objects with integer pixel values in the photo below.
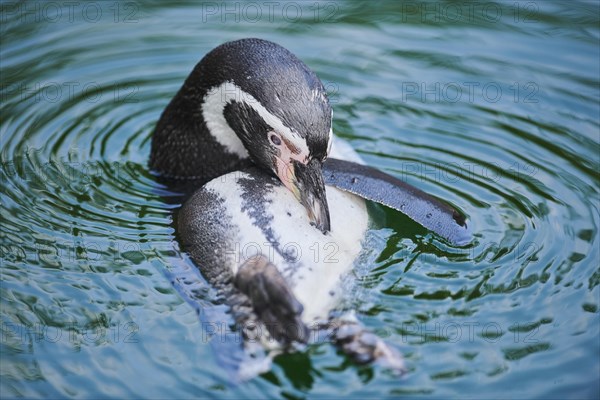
[{"x": 272, "y": 221}]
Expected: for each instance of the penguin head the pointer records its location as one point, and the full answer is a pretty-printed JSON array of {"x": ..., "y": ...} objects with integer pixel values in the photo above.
[{"x": 259, "y": 101}]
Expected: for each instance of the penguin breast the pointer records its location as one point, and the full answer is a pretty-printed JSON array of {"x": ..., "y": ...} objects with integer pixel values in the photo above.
[{"x": 243, "y": 214}]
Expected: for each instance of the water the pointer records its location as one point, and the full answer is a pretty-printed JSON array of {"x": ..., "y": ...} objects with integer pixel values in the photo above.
[{"x": 491, "y": 106}]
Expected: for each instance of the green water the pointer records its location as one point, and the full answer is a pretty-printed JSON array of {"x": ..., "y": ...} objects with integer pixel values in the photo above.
[{"x": 491, "y": 106}]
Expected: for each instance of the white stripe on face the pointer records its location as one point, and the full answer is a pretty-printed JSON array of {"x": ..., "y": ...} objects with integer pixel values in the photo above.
[{"x": 212, "y": 110}]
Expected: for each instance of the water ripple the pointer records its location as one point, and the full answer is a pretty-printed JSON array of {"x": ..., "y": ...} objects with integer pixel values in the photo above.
[{"x": 498, "y": 117}]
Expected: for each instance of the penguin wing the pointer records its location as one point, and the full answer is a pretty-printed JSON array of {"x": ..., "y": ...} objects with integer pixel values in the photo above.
[{"x": 375, "y": 185}]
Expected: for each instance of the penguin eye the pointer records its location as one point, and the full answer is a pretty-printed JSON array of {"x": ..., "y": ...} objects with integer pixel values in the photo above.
[{"x": 275, "y": 140}]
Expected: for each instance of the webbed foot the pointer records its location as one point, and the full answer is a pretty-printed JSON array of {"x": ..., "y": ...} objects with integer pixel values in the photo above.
[{"x": 365, "y": 347}]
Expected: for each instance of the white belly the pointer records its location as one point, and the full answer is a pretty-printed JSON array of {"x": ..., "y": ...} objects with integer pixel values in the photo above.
[{"x": 311, "y": 262}]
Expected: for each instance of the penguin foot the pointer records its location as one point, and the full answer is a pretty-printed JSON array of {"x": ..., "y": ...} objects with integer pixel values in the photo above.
[
  {"x": 365, "y": 347},
  {"x": 272, "y": 300}
]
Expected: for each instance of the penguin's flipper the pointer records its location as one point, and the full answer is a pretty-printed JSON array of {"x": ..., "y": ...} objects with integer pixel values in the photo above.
[
  {"x": 375, "y": 185},
  {"x": 272, "y": 300}
]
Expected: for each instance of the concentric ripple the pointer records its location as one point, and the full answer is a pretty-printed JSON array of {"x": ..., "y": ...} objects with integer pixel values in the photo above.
[{"x": 495, "y": 113}]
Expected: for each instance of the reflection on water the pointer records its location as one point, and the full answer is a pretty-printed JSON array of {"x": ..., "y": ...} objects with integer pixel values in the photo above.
[{"x": 491, "y": 106}]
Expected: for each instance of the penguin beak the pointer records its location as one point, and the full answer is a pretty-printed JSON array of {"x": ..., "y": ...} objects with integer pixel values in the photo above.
[{"x": 307, "y": 184}]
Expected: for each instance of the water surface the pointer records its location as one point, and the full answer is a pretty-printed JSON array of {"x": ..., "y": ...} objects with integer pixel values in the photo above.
[{"x": 493, "y": 107}]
